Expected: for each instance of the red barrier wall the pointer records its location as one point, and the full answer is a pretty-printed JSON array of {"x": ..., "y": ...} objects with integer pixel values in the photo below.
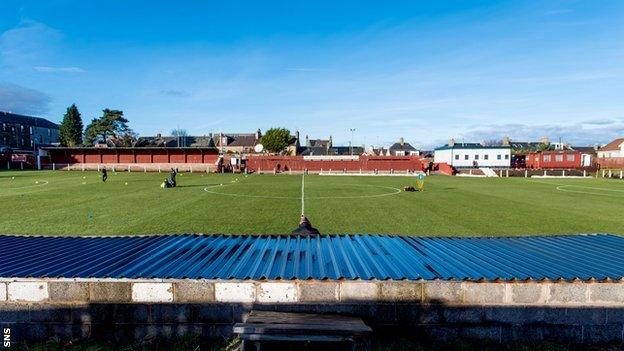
[
  {"x": 611, "y": 162},
  {"x": 131, "y": 155},
  {"x": 364, "y": 163}
]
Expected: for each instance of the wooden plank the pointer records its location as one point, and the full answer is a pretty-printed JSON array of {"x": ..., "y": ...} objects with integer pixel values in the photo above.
[
  {"x": 318, "y": 321},
  {"x": 295, "y": 337},
  {"x": 294, "y": 329}
]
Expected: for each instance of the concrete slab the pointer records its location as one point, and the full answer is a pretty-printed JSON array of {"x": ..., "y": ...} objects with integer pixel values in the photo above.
[
  {"x": 152, "y": 292},
  {"x": 235, "y": 292},
  {"x": 28, "y": 291},
  {"x": 359, "y": 291},
  {"x": 277, "y": 292}
]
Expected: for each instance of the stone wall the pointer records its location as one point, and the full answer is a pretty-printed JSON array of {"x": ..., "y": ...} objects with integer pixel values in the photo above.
[{"x": 563, "y": 311}]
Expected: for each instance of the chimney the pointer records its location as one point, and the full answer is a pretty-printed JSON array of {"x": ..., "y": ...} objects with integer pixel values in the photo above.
[
  {"x": 258, "y": 134},
  {"x": 297, "y": 135},
  {"x": 330, "y": 142},
  {"x": 308, "y": 141},
  {"x": 506, "y": 141},
  {"x": 401, "y": 141},
  {"x": 451, "y": 142},
  {"x": 158, "y": 135}
]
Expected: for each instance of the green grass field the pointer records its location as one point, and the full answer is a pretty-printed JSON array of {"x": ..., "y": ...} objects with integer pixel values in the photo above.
[{"x": 78, "y": 203}]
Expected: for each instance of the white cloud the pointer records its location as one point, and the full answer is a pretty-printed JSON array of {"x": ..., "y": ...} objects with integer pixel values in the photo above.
[
  {"x": 29, "y": 42},
  {"x": 19, "y": 99},
  {"x": 579, "y": 134},
  {"x": 48, "y": 69}
]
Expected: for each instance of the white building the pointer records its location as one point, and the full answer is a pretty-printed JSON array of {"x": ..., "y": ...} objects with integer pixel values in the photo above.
[
  {"x": 473, "y": 155},
  {"x": 612, "y": 150}
]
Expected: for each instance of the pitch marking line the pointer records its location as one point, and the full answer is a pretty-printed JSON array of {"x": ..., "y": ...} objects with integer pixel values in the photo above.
[
  {"x": 302, "y": 193},
  {"x": 395, "y": 191},
  {"x": 599, "y": 191},
  {"x": 41, "y": 183}
]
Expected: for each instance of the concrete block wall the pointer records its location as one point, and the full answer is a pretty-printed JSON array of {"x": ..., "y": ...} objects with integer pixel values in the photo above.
[{"x": 568, "y": 311}]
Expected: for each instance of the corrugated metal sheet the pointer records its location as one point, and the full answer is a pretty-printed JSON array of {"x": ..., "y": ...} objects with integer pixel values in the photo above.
[{"x": 317, "y": 257}]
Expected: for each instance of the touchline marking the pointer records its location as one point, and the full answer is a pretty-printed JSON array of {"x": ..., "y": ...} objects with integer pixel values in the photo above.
[{"x": 302, "y": 193}]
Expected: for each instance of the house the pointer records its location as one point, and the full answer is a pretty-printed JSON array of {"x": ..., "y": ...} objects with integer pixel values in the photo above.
[
  {"x": 373, "y": 151},
  {"x": 26, "y": 133},
  {"x": 561, "y": 159},
  {"x": 245, "y": 143},
  {"x": 613, "y": 149},
  {"x": 316, "y": 146},
  {"x": 473, "y": 155},
  {"x": 612, "y": 154},
  {"x": 401, "y": 148}
]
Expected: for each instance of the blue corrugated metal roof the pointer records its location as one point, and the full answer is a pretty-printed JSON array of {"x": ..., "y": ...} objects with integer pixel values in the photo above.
[{"x": 314, "y": 257}]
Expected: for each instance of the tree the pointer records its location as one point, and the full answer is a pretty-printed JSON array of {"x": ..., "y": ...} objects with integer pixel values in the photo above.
[
  {"x": 276, "y": 139},
  {"x": 111, "y": 124},
  {"x": 70, "y": 131}
]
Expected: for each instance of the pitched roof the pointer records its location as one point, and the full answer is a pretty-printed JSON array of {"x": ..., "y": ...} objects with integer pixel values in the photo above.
[
  {"x": 248, "y": 140},
  {"x": 289, "y": 257},
  {"x": 402, "y": 147},
  {"x": 318, "y": 143},
  {"x": 8, "y": 117},
  {"x": 613, "y": 146},
  {"x": 172, "y": 141},
  {"x": 471, "y": 146}
]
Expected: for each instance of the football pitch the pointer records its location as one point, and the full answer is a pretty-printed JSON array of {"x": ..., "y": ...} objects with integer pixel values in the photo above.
[{"x": 79, "y": 203}]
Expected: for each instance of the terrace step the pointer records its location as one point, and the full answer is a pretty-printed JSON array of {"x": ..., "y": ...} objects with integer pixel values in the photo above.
[{"x": 488, "y": 172}]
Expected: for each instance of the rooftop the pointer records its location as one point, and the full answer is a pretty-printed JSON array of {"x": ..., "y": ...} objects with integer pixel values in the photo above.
[
  {"x": 347, "y": 257},
  {"x": 8, "y": 117},
  {"x": 613, "y": 146},
  {"x": 471, "y": 146}
]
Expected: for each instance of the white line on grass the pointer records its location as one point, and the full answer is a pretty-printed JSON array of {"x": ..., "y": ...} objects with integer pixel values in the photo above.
[
  {"x": 562, "y": 187},
  {"x": 303, "y": 193},
  {"x": 40, "y": 183},
  {"x": 395, "y": 191}
]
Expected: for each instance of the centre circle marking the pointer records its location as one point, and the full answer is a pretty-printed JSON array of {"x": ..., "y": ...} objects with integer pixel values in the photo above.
[{"x": 394, "y": 191}]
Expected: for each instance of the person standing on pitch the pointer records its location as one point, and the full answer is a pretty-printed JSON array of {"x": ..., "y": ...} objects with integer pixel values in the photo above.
[{"x": 104, "y": 174}]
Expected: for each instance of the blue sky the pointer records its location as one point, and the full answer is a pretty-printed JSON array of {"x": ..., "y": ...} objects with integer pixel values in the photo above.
[{"x": 426, "y": 71}]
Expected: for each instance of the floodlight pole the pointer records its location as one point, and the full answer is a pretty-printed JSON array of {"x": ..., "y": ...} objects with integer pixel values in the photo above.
[{"x": 351, "y": 142}]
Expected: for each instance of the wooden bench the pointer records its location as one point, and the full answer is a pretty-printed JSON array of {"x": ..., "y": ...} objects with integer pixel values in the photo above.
[{"x": 263, "y": 326}]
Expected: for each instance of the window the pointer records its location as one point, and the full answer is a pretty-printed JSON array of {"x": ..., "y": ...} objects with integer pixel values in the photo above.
[
  {"x": 546, "y": 158},
  {"x": 498, "y": 157},
  {"x": 559, "y": 158},
  {"x": 476, "y": 157},
  {"x": 465, "y": 157},
  {"x": 486, "y": 156},
  {"x": 457, "y": 157},
  {"x": 507, "y": 157},
  {"x": 49, "y": 132},
  {"x": 31, "y": 130},
  {"x": 570, "y": 157}
]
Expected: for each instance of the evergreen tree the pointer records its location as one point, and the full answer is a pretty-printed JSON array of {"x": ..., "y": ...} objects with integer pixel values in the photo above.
[
  {"x": 111, "y": 124},
  {"x": 70, "y": 131}
]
